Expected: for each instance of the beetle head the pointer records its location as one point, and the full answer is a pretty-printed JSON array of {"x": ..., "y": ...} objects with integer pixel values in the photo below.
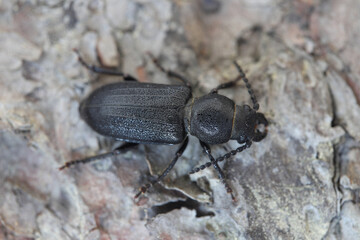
[{"x": 249, "y": 125}]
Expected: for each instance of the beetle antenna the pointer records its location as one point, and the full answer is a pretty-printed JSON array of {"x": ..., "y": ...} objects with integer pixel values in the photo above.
[
  {"x": 222, "y": 158},
  {"x": 248, "y": 86}
]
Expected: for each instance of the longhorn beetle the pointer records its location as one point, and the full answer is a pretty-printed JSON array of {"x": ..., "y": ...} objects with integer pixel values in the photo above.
[{"x": 149, "y": 113}]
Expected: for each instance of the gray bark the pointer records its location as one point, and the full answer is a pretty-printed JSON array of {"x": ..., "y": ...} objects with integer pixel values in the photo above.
[{"x": 301, "y": 57}]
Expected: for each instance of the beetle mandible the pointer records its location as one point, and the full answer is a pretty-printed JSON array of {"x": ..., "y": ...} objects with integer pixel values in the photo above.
[{"x": 149, "y": 113}]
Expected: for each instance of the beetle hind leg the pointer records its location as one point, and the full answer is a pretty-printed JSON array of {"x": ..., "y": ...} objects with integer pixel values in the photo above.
[
  {"x": 178, "y": 154},
  {"x": 115, "y": 152}
]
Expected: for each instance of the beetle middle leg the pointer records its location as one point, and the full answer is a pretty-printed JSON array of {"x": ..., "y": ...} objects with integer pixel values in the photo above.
[
  {"x": 106, "y": 71},
  {"x": 178, "y": 154},
  {"x": 207, "y": 150},
  {"x": 169, "y": 72},
  {"x": 115, "y": 152}
]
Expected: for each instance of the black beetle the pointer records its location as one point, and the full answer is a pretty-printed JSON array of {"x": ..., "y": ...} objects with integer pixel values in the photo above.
[{"x": 150, "y": 113}]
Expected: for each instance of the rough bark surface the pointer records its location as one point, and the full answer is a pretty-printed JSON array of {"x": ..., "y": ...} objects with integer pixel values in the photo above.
[{"x": 302, "y": 59}]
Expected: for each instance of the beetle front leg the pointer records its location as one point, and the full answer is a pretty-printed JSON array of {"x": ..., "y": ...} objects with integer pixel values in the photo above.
[
  {"x": 178, "y": 154},
  {"x": 233, "y": 83},
  {"x": 115, "y": 152},
  {"x": 207, "y": 150}
]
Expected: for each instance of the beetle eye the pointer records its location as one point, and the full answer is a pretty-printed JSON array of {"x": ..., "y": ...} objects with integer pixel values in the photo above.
[{"x": 260, "y": 127}]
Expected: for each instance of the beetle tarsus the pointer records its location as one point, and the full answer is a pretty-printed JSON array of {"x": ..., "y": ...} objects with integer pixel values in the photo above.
[{"x": 143, "y": 190}]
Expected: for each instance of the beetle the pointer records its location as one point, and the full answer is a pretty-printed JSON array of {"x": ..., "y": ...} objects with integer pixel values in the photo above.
[{"x": 149, "y": 113}]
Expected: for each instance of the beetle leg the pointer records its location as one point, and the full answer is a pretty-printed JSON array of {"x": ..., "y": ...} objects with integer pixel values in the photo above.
[
  {"x": 169, "y": 72},
  {"x": 115, "y": 152},
  {"x": 178, "y": 154},
  {"x": 233, "y": 83},
  {"x": 222, "y": 158},
  {"x": 226, "y": 85},
  {"x": 106, "y": 71},
  {"x": 207, "y": 150}
]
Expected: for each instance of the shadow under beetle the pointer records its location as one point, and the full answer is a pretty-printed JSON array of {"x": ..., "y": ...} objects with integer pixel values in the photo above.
[{"x": 149, "y": 113}]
